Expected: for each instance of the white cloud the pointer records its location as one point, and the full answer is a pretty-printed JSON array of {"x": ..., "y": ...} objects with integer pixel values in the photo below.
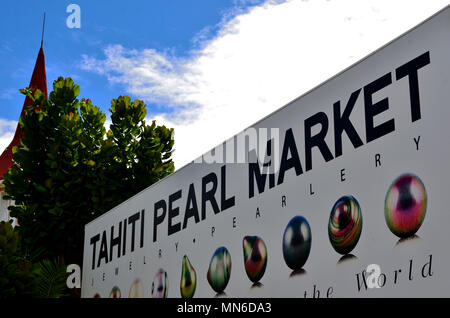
[
  {"x": 5, "y": 140},
  {"x": 7, "y": 126},
  {"x": 7, "y": 130},
  {"x": 259, "y": 61}
]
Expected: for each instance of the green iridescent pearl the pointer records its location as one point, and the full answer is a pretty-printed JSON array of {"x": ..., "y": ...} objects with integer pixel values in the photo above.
[
  {"x": 188, "y": 279},
  {"x": 219, "y": 269}
]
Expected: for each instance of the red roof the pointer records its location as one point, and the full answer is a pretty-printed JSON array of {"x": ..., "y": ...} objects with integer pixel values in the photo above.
[{"x": 38, "y": 81}]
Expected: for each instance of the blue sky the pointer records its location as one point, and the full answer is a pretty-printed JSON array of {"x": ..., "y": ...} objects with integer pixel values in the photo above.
[
  {"x": 208, "y": 68},
  {"x": 167, "y": 26}
]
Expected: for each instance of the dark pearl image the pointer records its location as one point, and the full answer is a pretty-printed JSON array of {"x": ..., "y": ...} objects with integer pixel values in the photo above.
[
  {"x": 405, "y": 205},
  {"x": 345, "y": 224},
  {"x": 296, "y": 242},
  {"x": 219, "y": 271},
  {"x": 255, "y": 257},
  {"x": 188, "y": 279}
]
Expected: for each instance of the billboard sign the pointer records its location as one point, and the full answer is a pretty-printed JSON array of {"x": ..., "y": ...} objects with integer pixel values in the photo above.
[{"x": 340, "y": 193}]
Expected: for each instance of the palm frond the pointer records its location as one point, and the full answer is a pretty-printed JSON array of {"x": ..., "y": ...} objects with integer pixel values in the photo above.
[{"x": 51, "y": 279}]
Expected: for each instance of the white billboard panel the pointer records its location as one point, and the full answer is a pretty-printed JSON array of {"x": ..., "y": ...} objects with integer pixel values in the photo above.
[{"x": 350, "y": 200}]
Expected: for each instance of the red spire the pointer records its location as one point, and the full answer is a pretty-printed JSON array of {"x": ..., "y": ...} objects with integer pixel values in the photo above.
[{"x": 38, "y": 81}]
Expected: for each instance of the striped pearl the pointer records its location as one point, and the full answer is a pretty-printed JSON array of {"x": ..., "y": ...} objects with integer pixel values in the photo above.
[{"x": 345, "y": 224}]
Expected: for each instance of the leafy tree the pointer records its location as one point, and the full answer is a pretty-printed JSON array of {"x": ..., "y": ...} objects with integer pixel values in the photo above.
[
  {"x": 16, "y": 278},
  {"x": 50, "y": 279},
  {"x": 21, "y": 276},
  {"x": 69, "y": 170}
]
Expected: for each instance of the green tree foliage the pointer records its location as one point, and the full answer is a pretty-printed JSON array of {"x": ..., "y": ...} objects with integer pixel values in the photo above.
[
  {"x": 50, "y": 279},
  {"x": 68, "y": 169},
  {"x": 15, "y": 278},
  {"x": 21, "y": 276}
]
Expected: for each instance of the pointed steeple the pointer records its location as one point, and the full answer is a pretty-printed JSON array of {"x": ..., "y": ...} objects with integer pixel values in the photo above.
[{"x": 38, "y": 81}]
